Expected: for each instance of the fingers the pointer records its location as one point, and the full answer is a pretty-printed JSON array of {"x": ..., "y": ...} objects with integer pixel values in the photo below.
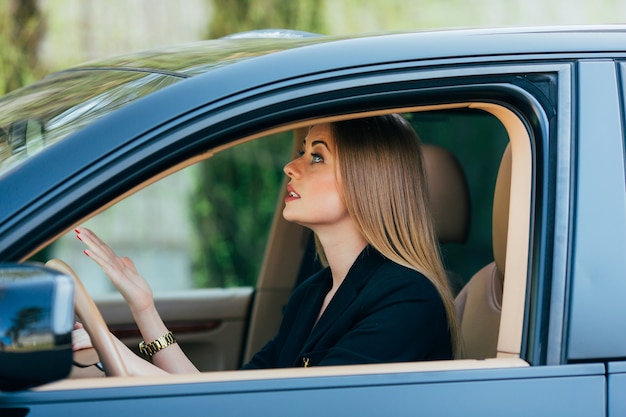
[
  {"x": 120, "y": 270},
  {"x": 103, "y": 255},
  {"x": 80, "y": 339},
  {"x": 129, "y": 264},
  {"x": 98, "y": 250}
]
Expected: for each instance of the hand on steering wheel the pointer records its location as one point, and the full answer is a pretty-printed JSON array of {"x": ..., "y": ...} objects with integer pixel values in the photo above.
[{"x": 93, "y": 323}]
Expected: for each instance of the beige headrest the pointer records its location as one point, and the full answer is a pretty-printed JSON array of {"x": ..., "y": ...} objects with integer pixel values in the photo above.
[
  {"x": 501, "y": 200},
  {"x": 449, "y": 194}
]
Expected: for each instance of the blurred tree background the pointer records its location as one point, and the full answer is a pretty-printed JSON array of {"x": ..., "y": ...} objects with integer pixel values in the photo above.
[
  {"x": 235, "y": 193},
  {"x": 238, "y": 16},
  {"x": 40, "y": 36},
  {"x": 21, "y": 29}
]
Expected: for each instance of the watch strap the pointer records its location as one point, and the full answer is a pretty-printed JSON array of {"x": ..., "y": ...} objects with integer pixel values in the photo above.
[{"x": 160, "y": 343}]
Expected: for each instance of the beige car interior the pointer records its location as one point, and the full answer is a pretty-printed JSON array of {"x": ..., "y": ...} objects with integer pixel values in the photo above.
[
  {"x": 449, "y": 200},
  {"x": 479, "y": 304},
  {"x": 491, "y": 308},
  {"x": 492, "y": 320},
  {"x": 449, "y": 193}
]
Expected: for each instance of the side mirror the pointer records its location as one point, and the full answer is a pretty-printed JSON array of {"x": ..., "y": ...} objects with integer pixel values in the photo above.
[{"x": 36, "y": 322}]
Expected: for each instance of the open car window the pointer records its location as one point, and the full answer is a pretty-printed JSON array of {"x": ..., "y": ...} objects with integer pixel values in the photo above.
[
  {"x": 205, "y": 226},
  {"x": 217, "y": 224}
]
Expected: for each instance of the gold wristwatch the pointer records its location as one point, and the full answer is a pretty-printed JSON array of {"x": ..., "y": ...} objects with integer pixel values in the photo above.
[{"x": 149, "y": 349}]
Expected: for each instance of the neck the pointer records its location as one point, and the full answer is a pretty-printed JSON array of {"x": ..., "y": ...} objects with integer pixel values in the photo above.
[{"x": 341, "y": 251}]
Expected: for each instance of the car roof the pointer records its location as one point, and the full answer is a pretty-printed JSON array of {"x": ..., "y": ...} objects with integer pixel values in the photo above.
[
  {"x": 199, "y": 57},
  {"x": 195, "y": 58}
]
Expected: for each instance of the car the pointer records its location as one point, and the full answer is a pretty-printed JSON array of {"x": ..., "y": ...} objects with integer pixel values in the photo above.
[{"x": 523, "y": 132}]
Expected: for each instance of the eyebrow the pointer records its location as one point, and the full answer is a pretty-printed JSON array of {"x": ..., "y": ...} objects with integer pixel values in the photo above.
[{"x": 316, "y": 142}]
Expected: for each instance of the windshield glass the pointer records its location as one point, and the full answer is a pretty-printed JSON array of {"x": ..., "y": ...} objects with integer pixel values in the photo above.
[{"x": 45, "y": 112}]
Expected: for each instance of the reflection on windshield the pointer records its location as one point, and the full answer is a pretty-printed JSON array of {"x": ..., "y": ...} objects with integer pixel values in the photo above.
[
  {"x": 42, "y": 114},
  {"x": 66, "y": 101}
]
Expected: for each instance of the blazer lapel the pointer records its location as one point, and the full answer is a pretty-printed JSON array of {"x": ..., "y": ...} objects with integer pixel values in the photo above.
[
  {"x": 365, "y": 265},
  {"x": 307, "y": 314}
]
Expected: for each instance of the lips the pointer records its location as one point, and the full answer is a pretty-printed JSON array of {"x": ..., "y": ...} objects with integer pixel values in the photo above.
[{"x": 291, "y": 194}]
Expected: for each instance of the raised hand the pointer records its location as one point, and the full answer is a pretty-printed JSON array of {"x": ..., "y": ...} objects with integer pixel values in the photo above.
[
  {"x": 137, "y": 293},
  {"x": 120, "y": 270}
]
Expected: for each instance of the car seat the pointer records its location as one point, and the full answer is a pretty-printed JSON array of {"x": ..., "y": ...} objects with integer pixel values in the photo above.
[
  {"x": 449, "y": 200},
  {"x": 479, "y": 304}
]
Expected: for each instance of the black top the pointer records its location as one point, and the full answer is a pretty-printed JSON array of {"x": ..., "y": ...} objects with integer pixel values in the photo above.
[{"x": 382, "y": 312}]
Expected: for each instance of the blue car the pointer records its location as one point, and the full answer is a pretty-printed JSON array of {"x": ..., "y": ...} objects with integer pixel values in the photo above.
[{"x": 175, "y": 157}]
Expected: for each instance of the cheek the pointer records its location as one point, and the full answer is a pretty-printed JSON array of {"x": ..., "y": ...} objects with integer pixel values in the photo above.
[
  {"x": 329, "y": 187},
  {"x": 330, "y": 195}
]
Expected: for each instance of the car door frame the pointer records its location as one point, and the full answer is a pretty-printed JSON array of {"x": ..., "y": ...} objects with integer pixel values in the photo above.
[{"x": 244, "y": 117}]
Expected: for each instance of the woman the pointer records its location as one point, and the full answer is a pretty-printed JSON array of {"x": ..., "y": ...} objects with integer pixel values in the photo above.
[{"x": 383, "y": 296}]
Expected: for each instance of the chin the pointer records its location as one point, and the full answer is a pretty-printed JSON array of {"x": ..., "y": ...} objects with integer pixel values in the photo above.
[
  {"x": 293, "y": 218},
  {"x": 288, "y": 216}
]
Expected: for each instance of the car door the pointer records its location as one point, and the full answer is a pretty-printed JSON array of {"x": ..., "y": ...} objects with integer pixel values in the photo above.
[
  {"x": 534, "y": 104},
  {"x": 599, "y": 285}
]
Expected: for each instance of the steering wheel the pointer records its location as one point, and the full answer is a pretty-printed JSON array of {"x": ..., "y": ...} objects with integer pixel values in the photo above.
[{"x": 93, "y": 323}]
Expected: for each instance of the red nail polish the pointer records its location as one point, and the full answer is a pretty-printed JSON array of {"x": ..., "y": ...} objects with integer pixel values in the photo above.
[
  {"x": 78, "y": 237},
  {"x": 85, "y": 252},
  {"x": 77, "y": 231}
]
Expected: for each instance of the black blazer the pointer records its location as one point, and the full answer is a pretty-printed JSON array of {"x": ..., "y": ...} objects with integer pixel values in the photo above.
[{"x": 382, "y": 312}]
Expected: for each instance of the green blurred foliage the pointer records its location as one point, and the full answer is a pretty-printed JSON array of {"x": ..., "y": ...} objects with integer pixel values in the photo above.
[
  {"x": 236, "y": 191},
  {"x": 232, "y": 16},
  {"x": 21, "y": 30},
  {"x": 233, "y": 204}
]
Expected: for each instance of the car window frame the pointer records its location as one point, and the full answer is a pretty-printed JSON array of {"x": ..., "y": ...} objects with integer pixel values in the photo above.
[{"x": 428, "y": 85}]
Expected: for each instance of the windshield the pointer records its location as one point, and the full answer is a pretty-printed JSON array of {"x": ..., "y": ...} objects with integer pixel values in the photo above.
[{"x": 45, "y": 112}]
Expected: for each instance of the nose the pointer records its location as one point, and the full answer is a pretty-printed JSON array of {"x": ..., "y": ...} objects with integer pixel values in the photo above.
[{"x": 291, "y": 169}]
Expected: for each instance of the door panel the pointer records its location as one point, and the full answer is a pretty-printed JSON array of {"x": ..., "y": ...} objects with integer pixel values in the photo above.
[
  {"x": 616, "y": 388},
  {"x": 209, "y": 324},
  {"x": 564, "y": 390},
  {"x": 599, "y": 225}
]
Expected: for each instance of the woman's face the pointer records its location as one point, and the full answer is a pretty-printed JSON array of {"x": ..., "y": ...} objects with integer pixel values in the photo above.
[{"x": 313, "y": 198}]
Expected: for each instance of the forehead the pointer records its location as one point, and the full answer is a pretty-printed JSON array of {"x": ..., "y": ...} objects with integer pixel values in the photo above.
[{"x": 319, "y": 132}]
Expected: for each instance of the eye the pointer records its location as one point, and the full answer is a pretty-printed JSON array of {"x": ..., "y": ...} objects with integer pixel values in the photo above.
[
  {"x": 316, "y": 158},
  {"x": 300, "y": 154}
]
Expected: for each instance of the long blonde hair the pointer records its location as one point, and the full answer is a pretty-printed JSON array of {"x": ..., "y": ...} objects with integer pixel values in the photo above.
[{"x": 385, "y": 192}]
